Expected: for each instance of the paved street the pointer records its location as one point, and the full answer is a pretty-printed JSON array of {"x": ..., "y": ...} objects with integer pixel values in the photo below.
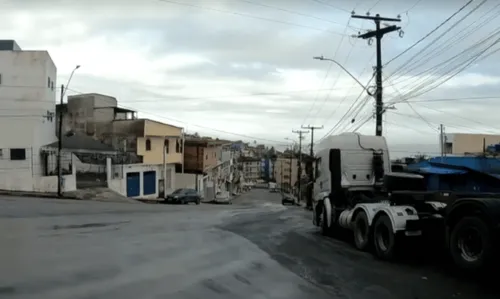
[{"x": 255, "y": 248}]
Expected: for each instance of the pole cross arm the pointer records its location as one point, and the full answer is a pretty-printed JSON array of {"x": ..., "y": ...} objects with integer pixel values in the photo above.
[
  {"x": 380, "y": 32},
  {"x": 376, "y": 18}
]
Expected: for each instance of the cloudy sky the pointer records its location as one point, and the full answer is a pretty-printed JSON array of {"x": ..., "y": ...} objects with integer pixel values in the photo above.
[{"x": 243, "y": 69}]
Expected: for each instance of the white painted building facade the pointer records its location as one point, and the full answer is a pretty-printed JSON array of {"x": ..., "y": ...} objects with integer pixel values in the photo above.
[{"x": 27, "y": 122}]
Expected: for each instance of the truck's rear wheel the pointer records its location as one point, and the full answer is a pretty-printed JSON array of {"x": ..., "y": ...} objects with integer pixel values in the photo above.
[
  {"x": 384, "y": 239},
  {"x": 361, "y": 231},
  {"x": 325, "y": 229},
  {"x": 471, "y": 244}
]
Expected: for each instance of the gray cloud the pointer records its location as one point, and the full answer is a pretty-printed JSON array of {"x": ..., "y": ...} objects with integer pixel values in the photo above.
[{"x": 246, "y": 57}]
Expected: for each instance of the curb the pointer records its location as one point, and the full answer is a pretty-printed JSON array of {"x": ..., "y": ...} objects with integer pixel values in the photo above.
[{"x": 36, "y": 195}]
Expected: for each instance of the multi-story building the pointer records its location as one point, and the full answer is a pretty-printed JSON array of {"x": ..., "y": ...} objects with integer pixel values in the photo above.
[
  {"x": 251, "y": 168},
  {"x": 202, "y": 157},
  {"x": 100, "y": 117},
  {"x": 286, "y": 171},
  {"x": 27, "y": 123},
  {"x": 463, "y": 143},
  {"x": 226, "y": 174}
]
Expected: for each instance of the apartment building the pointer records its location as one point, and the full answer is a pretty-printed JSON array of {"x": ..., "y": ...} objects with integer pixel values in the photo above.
[
  {"x": 286, "y": 171},
  {"x": 251, "y": 168}
]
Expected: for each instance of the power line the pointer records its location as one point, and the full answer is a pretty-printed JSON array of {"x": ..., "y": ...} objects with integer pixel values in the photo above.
[
  {"x": 407, "y": 63},
  {"x": 346, "y": 96},
  {"x": 428, "y": 34},
  {"x": 460, "y": 67},
  {"x": 452, "y": 99},
  {"x": 450, "y": 43},
  {"x": 247, "y": 16},
  {"x": 442, "y": 65},
  {"x": 459, "y": 116},
  {"x": 331, "y": 5},
  {"x": 346, "y": 113},
  {"x": 411, "y": 7},
  {"x": 327, "y": 73},
  {"x": 373, "y": 6},
  {"x": 199, "y": 126},
  {"x": 338, "y": 73},
  {"x": 290, "y": 11},
  {"x": 281, "y": 93}
]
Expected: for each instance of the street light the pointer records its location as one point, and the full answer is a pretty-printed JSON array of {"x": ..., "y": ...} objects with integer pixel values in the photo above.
[
  {"x": 59, "y": 134},
  {"x": 69, "y": 80},
  {"x": 342, "y": 67}
]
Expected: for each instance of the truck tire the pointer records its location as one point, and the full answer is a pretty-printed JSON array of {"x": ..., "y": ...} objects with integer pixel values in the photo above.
[
  {"x": 384, "y": 239},
  {"x": 471, "y": 244},
  {"x": 361, "y": 231},
  {"x": 325, "y": 229}
]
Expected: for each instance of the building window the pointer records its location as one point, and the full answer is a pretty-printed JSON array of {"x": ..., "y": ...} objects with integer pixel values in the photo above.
[
  {"x": 206, "y": 157},
  {"x": 18, "y": 154},
  {"x": 148, "y": 144},
  {"x": 48, "y": 82},
  {"x": 167, "y": 145},
  {"x": 0, "y": 78},
  {"x": 52, "y": 85}
]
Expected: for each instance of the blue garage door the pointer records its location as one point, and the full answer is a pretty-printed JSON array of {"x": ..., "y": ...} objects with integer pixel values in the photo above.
[
  {"x": 149, "y": 182},
  {"x": 133, "y": 184}
]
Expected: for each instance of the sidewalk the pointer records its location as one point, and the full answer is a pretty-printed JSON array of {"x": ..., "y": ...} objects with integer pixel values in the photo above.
[{"x": 36, "y": 194}]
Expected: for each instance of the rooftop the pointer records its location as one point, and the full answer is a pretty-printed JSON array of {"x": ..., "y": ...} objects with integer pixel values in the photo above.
[{"x": 74, "y": 141}]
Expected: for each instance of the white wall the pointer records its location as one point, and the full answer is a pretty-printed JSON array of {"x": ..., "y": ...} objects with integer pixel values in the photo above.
[
  {"x": 27, "y": 92},
  {"x": 23, "y": 178},
  {"x": 117, "y": 177},
  {"x": 188, "y": 180}
]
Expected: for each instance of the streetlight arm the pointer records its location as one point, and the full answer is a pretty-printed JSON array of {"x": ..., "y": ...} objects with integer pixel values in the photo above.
[
  {"x": 345, "y": 70},
  {"x": 69, "y": 80}
]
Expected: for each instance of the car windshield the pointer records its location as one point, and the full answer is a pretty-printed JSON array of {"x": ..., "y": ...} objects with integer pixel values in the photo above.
[{"x": 178, "y": 191}]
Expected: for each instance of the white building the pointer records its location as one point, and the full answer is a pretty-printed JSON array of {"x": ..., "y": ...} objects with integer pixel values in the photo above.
[
  {"x": 251, "y": 168},
  {"x": 27, "y": 123}
]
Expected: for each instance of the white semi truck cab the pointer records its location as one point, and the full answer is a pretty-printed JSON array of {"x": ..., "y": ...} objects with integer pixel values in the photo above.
[{"x": 354, "y": 189}]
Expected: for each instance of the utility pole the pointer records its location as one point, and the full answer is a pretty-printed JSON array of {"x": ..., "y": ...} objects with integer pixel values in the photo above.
[
  {"x": 441, "y": 140},
  {"x": 290, "y": 172},
  {"x": 310, "y": 186},
  {"x": 281, "y": 175},
  {"x": 378, "y": 33},
  {"x": 165, "y": 153},
  {"x": 299, "y": 189},
  {"x": 59, "y": 145}
]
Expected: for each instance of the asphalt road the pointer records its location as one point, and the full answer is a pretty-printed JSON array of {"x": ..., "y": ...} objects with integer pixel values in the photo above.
[{"x": 255, "y": 248}]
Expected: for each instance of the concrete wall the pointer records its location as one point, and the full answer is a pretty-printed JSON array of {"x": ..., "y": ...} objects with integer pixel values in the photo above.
[
  {"x": 28, "y": 91},
  {"x": 22, "y": 178},
  {"x": 188, "y": 180},
  {"x": 117, "y": 177},
  {"x": 85, "y": 111},
  {"x": 459, "y": 143}
]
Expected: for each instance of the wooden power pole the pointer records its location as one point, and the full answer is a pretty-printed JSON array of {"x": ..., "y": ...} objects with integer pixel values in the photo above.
[
  {"x": 299, "y": 174},
  {"x": 378, "y": 33},
  {"x": 310, "y": 186}
]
